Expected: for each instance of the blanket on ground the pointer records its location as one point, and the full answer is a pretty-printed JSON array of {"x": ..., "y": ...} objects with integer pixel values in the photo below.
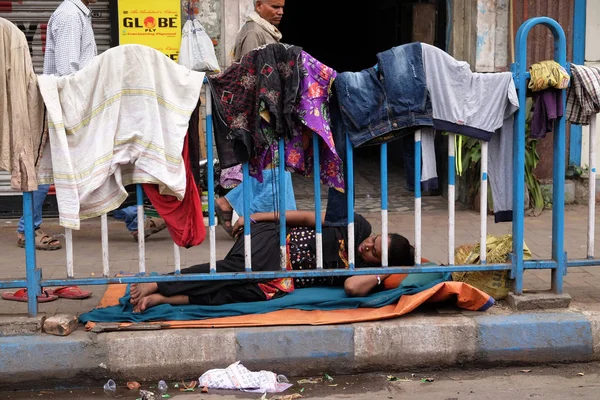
[{"x": 310, "y": 306}]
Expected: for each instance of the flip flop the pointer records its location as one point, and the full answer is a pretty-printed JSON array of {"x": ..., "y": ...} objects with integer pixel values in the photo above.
[
  {"x": 222, "y": 218},
  {"x": 21, "y": 295},
  {"x": 70, "y": 292}
]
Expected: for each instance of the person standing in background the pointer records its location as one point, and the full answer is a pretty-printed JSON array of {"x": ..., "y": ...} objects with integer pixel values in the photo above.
[{"x": 70, "y": 46}]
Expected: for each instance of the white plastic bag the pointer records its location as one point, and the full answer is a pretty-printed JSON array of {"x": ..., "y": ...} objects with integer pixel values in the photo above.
[{"x": 197, "y": 51}]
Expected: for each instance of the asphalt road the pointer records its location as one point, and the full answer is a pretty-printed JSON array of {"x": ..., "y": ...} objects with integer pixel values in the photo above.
[{"x": 552, "y": 382}]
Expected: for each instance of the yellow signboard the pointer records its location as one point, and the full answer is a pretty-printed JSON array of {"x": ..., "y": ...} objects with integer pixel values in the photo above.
[{"x": 154, "y": 23}]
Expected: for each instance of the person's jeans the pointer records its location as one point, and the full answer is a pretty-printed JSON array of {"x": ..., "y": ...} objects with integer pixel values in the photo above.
[
  {"x": 129, "y": 216},
  {"x": 336, "y": 213},
  {"x": 408, "y": 158},
  {"x": 39, "y": 196}
]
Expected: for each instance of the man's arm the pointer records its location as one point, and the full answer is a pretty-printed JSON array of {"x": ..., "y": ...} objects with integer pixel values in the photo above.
[
  {"x": 67, "y": 45},
  {"x": 292, "y": 218}
]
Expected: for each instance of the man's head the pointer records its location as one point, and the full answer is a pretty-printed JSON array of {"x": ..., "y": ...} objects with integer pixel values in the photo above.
[
  {"x": 88, "y": 2},
  {"x": 271, "y": 10}
]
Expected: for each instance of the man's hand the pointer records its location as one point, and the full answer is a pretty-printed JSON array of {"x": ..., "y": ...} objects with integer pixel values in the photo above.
[{"x": 238, "y": 227}]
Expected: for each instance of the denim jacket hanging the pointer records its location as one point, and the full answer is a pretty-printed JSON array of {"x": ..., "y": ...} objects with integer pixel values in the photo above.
[{"x": 375, "y": 103}]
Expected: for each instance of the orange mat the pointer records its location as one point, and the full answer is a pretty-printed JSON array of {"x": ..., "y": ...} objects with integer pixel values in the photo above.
[{"x": 463, "y": 295}]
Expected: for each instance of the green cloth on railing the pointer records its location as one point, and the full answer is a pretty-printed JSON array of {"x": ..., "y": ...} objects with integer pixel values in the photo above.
[{"x": 315, "y": 298}]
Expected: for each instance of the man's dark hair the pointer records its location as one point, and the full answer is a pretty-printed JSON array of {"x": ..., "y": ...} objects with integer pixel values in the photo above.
[{"x": 400, "y": 252}]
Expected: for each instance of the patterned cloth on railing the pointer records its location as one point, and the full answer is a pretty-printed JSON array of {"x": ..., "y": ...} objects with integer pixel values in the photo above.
[{"x": 583, "y": 96}]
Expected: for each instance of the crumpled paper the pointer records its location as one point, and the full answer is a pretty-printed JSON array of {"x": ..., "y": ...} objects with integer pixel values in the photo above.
[{"x": 236, "y": 376}]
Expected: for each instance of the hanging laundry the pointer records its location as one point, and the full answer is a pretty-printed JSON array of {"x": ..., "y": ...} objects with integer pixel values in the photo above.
[
  {"x": 547, "y": 108},
  {"x": 120, "y": 120},
  {"x": 270, "y": 74},
  {"x": 312, "y": 110},
  {"x": 583, "y": 96},
  {"x": 21, "y": 110},
  {"x": 464, "y": 102},
  {"x": 547, "y": 74},
  {"x": 476, "y": 105},
  {"x": 547, "y": 79},
  {"x": 376, "y": 103},
  {"x": 184, "y": 219}
]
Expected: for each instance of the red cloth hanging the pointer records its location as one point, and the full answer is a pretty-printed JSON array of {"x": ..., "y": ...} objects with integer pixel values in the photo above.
[{"x": 183, "y": 218}]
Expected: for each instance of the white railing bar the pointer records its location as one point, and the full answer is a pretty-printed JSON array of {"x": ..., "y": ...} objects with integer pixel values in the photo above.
[
  {"x": 451, "y": 198},
  {"x": 176, "y": 258},
  {"x": 483, "y": 193},
  {"x": 104, "y": 235},
  {"x": 141, "y": 235},
  {"x": 69, "y": 251},
  {"x": 384, "y": 206},
  {"x": 212, "y": 238},
  {"x": 418, "y": 211},
  {"x": 592, "y": 188}
]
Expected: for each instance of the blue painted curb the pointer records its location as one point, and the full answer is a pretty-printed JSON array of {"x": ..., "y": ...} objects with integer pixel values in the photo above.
[
  {"x": 539, "y": 337},
  {"x": 408, "y": 342}
]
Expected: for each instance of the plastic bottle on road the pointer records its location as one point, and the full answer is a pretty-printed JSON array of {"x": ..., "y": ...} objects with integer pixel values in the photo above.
[
  {"x": 110, "y": 388},
  {"x": 162, "y": 388}
]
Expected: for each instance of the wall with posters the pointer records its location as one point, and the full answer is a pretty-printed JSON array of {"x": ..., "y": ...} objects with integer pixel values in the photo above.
[{"x": 154, "y": 23}]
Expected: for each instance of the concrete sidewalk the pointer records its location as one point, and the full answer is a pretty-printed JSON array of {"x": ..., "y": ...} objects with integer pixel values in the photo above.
[{"x": 430, "y": 337}]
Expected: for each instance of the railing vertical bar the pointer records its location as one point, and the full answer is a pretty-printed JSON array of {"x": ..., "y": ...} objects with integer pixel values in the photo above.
[
  {"x": 32, "y": 273},
  {"x": 282, "y": 206},
  {"x": 418, "y": 197},
  {"x": 592, "y": 189},
  {"x": 176, "y": 258},
  {"x": 558, "y": 172},
  {"x": 141, "y": 235},
  {"x": 104, "y": 234},
  {"x": 451, "y": 198},
  {"x": 247, "y": 243},
  {"x": 350, "y": 188},
  {"x": 211, "y": 183},
  {"x": 317, "y": 185},
  {"x": 384, "y": 206},
  {"x": 69, "y": 252},
  {"x": 483, "y": 192}
]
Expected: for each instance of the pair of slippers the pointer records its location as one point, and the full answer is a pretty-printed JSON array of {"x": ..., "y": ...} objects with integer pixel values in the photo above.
[{"x": 65, "y": 292}]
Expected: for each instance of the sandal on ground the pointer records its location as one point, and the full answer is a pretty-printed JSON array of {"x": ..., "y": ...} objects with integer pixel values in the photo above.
[
  {"x": 21, "y": 295},
  {"x": 43, "y": 241},
  {"x": 151, "y": 226},
  {"x": 70, "y": 292},
  {"x": 225, "y": 217}
]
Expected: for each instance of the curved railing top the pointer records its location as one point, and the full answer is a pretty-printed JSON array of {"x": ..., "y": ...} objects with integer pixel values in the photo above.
[{"x": 560, "y": 41}]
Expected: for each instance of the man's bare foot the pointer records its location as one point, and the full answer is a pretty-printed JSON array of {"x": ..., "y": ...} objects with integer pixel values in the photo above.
[
  {"x": 156, "y": 299},
  {"x": 140, "y": 290}
]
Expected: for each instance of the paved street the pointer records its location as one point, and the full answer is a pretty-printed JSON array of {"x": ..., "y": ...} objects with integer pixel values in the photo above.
[{"x": 548, "y": 382}]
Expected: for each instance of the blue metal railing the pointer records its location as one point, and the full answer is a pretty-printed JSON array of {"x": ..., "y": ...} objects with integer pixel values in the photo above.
[{"x": 558, "y": 264}]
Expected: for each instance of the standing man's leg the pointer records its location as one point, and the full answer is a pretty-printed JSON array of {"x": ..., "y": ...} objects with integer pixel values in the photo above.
[
  {"x": 130, "y": 217},
  {"x": 43, "y": 241}
]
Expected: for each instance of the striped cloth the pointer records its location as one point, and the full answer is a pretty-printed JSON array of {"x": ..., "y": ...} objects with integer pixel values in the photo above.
[
  {"x": 120, "y": 120},
  {"x": 583, "y": 96},
  {"x": 70, "y": 45}
]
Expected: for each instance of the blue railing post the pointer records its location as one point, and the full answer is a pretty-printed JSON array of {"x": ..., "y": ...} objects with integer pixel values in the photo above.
[
  {"x": 579, "y": 24},
  {"x": 519, "y": 69},
  {"x": 34, "y": 275}
]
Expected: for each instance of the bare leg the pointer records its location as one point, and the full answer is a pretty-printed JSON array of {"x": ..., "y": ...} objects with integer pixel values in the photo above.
[
  {"x": 223, "y": 204},
  {"x": 156, "y": 299},
  {"x": 140, "y": 290}
]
